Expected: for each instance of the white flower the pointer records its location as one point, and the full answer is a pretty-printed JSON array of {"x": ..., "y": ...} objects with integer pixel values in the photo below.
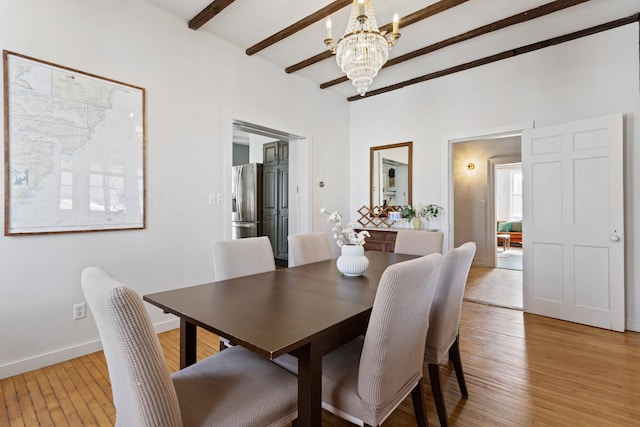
[
  {"x": 428, "y": 211},
  {"x": 347, "y": 235}
]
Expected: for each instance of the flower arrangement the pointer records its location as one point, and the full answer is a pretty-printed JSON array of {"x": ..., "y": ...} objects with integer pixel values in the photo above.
[
  {"x": 347, "y": 235},
  {"x": 408, "y": 212},
  {"x": 429, "y": 211},
  {"x": 421, "y": 211}
]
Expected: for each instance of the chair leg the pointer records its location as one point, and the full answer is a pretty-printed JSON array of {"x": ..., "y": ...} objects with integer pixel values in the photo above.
[
  {"x": 454, "y": 356},
  {"x": 417, "y": 395},
  {"x": 438, "y": 396}
]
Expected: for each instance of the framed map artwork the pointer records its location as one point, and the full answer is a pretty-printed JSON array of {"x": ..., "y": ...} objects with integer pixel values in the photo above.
[{"x": 75, "y": 150}]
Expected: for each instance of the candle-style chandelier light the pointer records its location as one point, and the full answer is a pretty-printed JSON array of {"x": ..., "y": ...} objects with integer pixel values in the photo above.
[{"x": 363, "y": 49}]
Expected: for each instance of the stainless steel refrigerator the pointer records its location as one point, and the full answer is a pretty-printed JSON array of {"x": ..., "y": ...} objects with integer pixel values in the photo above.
[{"x": 246, "y": 201}]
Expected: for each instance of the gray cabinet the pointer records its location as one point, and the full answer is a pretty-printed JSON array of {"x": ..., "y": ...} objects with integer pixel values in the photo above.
[{"x": 275, "y": 208}]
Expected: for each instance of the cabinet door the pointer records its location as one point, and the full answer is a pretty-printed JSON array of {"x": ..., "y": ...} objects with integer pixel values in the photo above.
[
  {"x": 270, "y": 154},
  {"x": 283, "y": 232},
  {"x": 270, "y": 205},
  {"x": 283, "y": 212},
  {"x": 283, "y": 152}
]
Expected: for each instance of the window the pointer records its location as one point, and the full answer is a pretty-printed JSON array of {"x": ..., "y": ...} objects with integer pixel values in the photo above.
[{"x": 515, "y": 202}]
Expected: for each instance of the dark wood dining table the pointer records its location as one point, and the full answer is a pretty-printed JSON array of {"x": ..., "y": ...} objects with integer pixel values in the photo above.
[{"x": 307, "y": 311}]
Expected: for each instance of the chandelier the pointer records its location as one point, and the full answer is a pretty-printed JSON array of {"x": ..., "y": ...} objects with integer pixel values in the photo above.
[{"x": 363, "y": 49}]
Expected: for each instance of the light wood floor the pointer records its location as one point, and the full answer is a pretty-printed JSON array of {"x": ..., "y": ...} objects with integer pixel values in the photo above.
[
  {"x": 521, "y": 370},
  {"x": 495, "y": 286}
]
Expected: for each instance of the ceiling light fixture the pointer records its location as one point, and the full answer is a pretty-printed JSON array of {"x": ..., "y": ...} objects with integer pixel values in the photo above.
[{"x": 363, "y": 49}]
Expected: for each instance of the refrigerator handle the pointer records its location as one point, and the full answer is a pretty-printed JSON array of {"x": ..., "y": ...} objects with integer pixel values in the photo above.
[{"x": 239, "y": 195}]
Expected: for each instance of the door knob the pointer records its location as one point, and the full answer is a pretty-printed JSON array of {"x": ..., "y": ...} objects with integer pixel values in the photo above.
[{"x": 614, "y": 238}]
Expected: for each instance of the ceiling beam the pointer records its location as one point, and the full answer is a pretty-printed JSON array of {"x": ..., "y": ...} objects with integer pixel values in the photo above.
[
  {"x": 208, "y": 13},
  {"x": 419, "y": 15},
  {"x": 503, "y": 55},
  {"x": 303, "y": 23},
  {"x": 519, "y": 18}
]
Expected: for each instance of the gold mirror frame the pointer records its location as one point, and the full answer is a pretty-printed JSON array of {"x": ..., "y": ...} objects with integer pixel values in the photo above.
[{"x": 373, "y": 150}]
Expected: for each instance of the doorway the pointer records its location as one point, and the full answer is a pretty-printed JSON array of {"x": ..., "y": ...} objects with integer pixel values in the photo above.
[
  {"x": 253, "y": 144},
  {"x": 484, "y": 171},
  {"x": 506, "y": 184}
]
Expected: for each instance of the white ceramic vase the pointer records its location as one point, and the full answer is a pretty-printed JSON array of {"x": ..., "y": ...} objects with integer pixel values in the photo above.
[{"x": 352, "y": 262}]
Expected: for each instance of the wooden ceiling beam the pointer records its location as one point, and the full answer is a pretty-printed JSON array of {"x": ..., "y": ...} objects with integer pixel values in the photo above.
[
  {"x": 303, "y": 23},
  {"x": 503, "y": 55},
  {"x": 208, "y": 13},
  {"x": 519, "y": 18},
  {"x": 419, "y": 15}
]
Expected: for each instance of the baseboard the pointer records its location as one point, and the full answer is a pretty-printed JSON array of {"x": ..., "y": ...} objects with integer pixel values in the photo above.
[
  {"x": 68, "y": 353},
  {"x": 632, "y": 325}
]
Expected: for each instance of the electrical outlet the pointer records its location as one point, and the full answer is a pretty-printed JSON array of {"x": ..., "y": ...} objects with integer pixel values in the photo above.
[{"x": 79, "y": 311}]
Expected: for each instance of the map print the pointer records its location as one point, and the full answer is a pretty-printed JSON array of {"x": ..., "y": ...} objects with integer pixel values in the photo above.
[{"x": 76, "y": 150}]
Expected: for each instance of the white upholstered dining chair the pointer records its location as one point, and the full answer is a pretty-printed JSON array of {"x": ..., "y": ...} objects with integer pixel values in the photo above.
[
  {"x": 365, "y": 380},
  {"x": 242, "y": 257},
  {"x": 232, "y": 388},
  {"x": 307, "y": 248},
  {"x": 444, "y": 322},
  {"x": 417, "y": 242},
  {"x": 239, "y": 258}
]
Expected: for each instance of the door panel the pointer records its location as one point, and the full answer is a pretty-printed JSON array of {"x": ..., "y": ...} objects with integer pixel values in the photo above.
[
  {"x": 594, "y": 262},
  {"x": 283, "y": 214},
  {"x": 574, "y": 222},
  {"x": 591, "y": 191},
  {"x": 283, "y": 181},
  {"x": 270, "y": 154},
  {"x": 270, "y": 194},
  {"x": 546, "y": 196},
  {"x": 270, "y": 228},
  {"x": 545, "y": 281},
  {"x": 283, "y": 242},
  {"x": 270, "y": 205}
]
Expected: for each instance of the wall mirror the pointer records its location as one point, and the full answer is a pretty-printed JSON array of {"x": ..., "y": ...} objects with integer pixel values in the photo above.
[{"x": 391, "y": 171}]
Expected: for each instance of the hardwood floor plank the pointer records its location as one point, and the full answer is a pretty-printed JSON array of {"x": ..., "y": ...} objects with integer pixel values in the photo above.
[
  {"x": 70, "y": 414},
  {"x": 51, "y": 400},
  {"x": 100, "y": 405},
  {"x": 28, "y": 413},
  {"x": 78, "y": 392},
  {"x": 38, "y": 404},
  {"x": 12, "y": 402},
  {"x": 4, "y": 415}
]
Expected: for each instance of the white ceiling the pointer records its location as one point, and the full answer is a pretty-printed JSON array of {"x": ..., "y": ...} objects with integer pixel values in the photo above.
[{"x": 245, "y": 23}]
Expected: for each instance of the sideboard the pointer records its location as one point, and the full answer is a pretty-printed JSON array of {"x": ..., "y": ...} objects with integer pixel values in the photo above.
[{"x": 383, "y": 240}]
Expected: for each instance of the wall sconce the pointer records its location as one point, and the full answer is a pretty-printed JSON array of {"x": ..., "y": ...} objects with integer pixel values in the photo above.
[{"x": 470, "y": 166}]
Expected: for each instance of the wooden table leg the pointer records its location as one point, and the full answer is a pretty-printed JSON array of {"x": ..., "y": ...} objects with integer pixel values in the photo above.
[
  {"x": 309, "y": 385},
  {"x": 188, "y": 343}
]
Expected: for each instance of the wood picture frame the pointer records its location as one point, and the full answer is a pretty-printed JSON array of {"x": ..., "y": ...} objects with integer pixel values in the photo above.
[{"x": 74, "y": 152}]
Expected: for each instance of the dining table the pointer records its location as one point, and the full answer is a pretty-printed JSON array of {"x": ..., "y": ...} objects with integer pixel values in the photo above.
[{"x": 306, "y": 311}]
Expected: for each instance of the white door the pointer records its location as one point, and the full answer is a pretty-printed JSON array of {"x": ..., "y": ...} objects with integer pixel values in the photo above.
[{"x": 573, "y": 222}]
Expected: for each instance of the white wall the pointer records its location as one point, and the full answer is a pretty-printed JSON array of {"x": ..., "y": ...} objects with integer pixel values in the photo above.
[
  {"x": 196, "y": 85},
  {"x": 590, "y": 77}
]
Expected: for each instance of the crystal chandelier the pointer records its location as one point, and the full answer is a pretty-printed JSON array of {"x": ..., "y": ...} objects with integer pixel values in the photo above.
[{"x": 363, "y": 49}]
